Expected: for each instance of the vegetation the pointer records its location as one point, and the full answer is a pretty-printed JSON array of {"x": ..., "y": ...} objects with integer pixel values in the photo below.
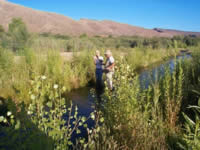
[
  {"x": 17, "y": 37},
  {"x": 35, "y": 79}
]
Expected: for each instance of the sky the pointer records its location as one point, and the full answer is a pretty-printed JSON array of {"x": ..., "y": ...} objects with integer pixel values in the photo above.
[{"x": 168, "y": 14}]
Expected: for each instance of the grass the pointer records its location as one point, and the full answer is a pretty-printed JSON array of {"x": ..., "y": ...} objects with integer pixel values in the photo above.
[
  {"x": 73, "y": 74},
  {"x": 142, "y": 58},
  {"x": 130, "y": 119}
]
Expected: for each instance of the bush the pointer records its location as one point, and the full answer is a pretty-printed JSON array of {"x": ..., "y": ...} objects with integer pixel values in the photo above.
[
  {"x": 18, "y": 36},
  {"x": 144, "y": 119},
  {"x": 191, "y": 130},
  {"x": 1, "y": 29}
]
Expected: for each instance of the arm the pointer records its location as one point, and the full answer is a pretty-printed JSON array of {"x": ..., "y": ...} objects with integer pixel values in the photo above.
[
  {"x": 95, "y": 59},
  {"x": 111, "y": 66},
  {"x": 112, "y": 63}
]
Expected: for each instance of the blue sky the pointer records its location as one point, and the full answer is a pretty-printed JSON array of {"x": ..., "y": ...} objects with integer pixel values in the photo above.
[{"x": 170, "y": 14}]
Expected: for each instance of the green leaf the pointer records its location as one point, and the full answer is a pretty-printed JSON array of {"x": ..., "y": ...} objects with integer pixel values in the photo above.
[
  {"x": 1, "y": 118},
  {"x": 102, "y": 120},
  {"x": 69, "y": 143},
  {"x": 197, "y": 127},
  {"x": 17, "y": 126},
  {"x": 82, "y": 141},
  {"x": 62, "y": 101},
  {"x": 188, "y": 120},
  {"x": 12, "y": 121},
  {"x": 199, "y": 102},
  {"x": 85, "y": 125},
  {"x": 49, "y": 104},
  {"x": 92, "y": 116},
  {"x": 98, "y": 129},
  {"x": 78, "y": 131},
  {"x": 83, "y": 119},
  {"x": 80, "y": 123}
]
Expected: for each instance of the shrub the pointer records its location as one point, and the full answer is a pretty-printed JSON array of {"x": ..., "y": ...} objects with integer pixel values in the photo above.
[
  {"x": 191, "y": 130},
  {"x": 144, "y": 119},
  {"x": 1, "y": 30},
  {"x": 18, "y": 35}
]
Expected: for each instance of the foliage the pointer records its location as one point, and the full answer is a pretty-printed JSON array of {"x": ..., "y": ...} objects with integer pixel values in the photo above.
[
  {"x": 1, "y": 29},
  {"x": 17, "y": 37},
  {"x": 130, "y": 116},
  {"x": 143, "y": 119},
  {"x": 47, "y": 109},
  {"x": 141, "y": 58},
  {"x": 191, "y": 135}
]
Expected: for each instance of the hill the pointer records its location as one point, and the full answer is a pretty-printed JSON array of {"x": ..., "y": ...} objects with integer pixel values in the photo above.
[{"x": 46, "y": 22}]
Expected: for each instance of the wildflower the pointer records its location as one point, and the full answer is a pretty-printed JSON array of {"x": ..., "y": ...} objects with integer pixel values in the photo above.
[
  {"x": 1, "y": 118},
  {"x": 43, "y": 77},
  {"x": 102, "y": 120},
  {"x": 5, "y": 120},
  {"x": 128, "y": 67},
  {"x": 55, "y": 86},
  {"x": 33, "y": 97},
  {"x": 29, "y": 112},
  {"x": 93, "y": 116},
  {"x": 9, "y": 113},
  {"x": 64, "y": 88}
]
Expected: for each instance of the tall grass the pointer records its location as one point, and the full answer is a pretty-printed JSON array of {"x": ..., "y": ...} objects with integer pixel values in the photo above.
[
  {"x": 131, "y": 118},
  {"x": 144, "y": 119},
  {"x": 142, "y": 57},
  {"x": 18, "y": 71}
]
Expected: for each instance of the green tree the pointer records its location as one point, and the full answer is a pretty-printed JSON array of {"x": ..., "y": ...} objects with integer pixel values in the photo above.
[
  {"x": 84, "y": 35},
  {"x": 190, "y": 41},
  {"x": 18, "y": 35},
  {"x": 1, "y": 29}
]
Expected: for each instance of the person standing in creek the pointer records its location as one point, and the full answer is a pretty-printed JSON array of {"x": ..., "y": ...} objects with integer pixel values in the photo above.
[
  {"x": 109, "y": 68},
  {"x": 98, "y": 60}
]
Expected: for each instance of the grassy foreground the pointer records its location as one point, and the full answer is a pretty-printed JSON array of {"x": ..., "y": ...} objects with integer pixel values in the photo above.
[{"x": 34, "y": 112}]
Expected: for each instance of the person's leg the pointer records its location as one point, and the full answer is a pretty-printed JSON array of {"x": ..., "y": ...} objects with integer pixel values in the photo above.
[
  {"x": 99, "y": 74},
  {"x": 109, "y": 80}
]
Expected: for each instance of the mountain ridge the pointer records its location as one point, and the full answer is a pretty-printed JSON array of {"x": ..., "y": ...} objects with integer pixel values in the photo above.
[{"x": 49, "y": 22}]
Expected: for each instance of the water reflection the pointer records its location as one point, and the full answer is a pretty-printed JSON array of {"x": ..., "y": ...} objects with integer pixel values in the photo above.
[{"x": 150, "y": 76}]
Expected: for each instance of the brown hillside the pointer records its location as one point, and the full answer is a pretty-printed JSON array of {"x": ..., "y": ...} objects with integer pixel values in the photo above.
[{"x": 39, "y": 21}]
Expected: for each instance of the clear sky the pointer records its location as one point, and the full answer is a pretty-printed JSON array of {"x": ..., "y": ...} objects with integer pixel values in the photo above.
[{"x": 170, "y": 14}]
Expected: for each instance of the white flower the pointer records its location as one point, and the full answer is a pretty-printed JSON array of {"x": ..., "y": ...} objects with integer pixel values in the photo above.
[
  {"x": 55, "y": 86},
  {"x": 43, "y": 77},
  {"x": 5, "y": 120},
  {"x": 9, "y": 113},
  {"x": 93, "y": 116},
  {"x": 1, "y": 118},
  {"x": 123, "y": 77},
  {"x": 64, "y": 89},
  {"x": 32, "y": 97},
  {"x": 29, "y": 112}
]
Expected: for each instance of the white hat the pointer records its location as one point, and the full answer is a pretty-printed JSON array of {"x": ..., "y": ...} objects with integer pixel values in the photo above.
[{"x": 107, "y": 52}]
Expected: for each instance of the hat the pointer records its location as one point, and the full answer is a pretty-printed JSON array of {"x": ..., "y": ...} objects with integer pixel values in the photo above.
[{"x": 107, "y": 52}]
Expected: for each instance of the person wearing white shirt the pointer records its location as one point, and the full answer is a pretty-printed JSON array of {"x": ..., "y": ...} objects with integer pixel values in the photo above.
[
  {"x": 98, "y": 60},
  {"x": 109, "y": 68}
]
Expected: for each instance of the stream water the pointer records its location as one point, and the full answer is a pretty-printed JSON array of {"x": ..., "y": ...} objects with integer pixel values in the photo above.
[{"x": 85, "y": 101}]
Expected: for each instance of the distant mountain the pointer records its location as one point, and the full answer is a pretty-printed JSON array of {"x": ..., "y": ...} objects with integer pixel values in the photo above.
[
  {"x": 42, "y": 22},
  {"x": 176, "y": 32}
]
